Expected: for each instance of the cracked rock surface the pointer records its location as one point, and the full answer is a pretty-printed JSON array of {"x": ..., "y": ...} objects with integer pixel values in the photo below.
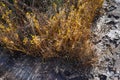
[{"x": 107, "y": 36}]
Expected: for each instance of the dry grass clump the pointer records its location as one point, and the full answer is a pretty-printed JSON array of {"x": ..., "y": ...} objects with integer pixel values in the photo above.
[{"x": 64, "y": 33}]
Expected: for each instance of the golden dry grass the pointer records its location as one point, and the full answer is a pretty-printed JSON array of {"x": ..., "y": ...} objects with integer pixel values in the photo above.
[{"x": 65, "y": 33}]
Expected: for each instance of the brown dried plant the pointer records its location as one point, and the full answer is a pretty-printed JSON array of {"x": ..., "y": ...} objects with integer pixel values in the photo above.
[{"x": 64, "y": 33}]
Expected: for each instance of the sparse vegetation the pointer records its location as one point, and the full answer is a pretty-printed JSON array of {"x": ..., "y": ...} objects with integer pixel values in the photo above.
[{"x": 60, "y": 31}]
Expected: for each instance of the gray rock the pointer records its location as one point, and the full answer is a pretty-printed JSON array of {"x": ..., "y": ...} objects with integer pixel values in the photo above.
[{"x": 107, "y": 30}]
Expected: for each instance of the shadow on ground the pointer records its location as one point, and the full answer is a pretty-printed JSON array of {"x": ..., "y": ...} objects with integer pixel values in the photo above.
[{"x": 23, "y": 67}]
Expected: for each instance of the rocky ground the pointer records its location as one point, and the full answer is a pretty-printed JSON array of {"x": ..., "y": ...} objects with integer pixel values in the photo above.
[
  {"x": 107, "y": 42},
  {"x": 107, "y": 45}
]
